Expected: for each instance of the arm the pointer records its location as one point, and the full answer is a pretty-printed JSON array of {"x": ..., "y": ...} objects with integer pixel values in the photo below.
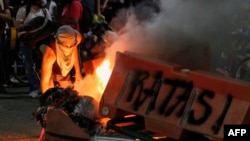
[
  {"x": 78, "y": 75},
  {"x": 20, "y": 16},
  {"x": 48, "y": 60},
  {"x": 6, "y": 15},
  {"x": 48, "y": 14}
]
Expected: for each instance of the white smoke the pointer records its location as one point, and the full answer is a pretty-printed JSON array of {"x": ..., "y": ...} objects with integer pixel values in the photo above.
[
  {"x": 178, "y": 31},
  {"x": 169, "y": 28}
]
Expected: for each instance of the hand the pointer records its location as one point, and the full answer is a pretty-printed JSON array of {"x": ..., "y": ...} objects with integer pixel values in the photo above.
[{"x": 78, "y": 77}]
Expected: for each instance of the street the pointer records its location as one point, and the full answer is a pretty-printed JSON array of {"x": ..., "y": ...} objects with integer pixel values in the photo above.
[{"x": 16, "y": 120}]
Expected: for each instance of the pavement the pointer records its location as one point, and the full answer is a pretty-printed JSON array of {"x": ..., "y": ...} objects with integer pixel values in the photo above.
[{"x": 16, "y": 120}]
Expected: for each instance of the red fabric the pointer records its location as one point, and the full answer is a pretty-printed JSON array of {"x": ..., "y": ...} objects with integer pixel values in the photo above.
[
  {"x": 41, "y": 135},
  {"x": 73, "y": 10}
]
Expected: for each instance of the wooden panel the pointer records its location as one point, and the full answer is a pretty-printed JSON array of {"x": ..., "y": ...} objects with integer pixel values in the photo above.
[
  {"x": 61, "y": 125},
  {"x": 175, "y": 97}
]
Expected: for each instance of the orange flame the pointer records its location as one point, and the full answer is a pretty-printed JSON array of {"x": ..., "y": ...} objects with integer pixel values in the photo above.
[
  {"x": 94, "y": 84},
  {"x": 103, "y": 73}
]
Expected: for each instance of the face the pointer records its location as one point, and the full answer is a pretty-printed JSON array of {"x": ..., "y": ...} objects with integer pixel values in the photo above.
[
  {"x": 66, "y": 44},
  {"x": 66, "y": 37}
]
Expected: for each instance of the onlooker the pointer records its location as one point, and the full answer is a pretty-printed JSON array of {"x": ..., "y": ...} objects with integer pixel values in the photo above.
[
  {"x": 52, "y": 7},
  {"x": 59, "y": 58},
  {"x": 10, "y": 43},
  {"x": 5, "y": 16},
  {"x": 14, "y": 6},
  {"x": 71, "y": 13},
  {"x": 86, "y": 21},
  {"x": 32, "y": 9}
]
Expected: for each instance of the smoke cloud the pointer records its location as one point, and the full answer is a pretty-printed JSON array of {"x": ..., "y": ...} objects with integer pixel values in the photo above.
[{"x": 188, "y": 32}]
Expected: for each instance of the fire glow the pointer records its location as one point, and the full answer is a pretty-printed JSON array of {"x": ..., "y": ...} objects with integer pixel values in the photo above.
[
  {"x": 103, "y": 73},
  {"x": 94, "y": 84}
]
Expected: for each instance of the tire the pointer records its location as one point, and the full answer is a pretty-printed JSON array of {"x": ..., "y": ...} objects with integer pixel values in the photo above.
[{"x": 243, "y": 70}]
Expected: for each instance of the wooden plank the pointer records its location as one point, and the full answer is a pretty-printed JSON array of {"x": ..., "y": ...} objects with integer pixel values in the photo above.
[
  {"x": 58, "y": 123},
  {"x": 168, "y": 96}
]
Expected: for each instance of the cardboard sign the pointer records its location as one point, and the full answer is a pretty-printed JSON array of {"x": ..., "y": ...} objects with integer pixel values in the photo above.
[{"x": 173, "y": 99}]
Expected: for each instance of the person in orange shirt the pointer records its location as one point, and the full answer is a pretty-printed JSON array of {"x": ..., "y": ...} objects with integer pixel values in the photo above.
[{"x": 60, "y": 58}]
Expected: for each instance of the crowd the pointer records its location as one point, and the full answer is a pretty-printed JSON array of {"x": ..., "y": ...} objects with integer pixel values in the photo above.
[{"x": 61, "y": 49}]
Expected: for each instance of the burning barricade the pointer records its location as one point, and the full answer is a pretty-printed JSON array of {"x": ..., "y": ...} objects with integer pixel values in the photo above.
[{"x": 146, "y": 99}]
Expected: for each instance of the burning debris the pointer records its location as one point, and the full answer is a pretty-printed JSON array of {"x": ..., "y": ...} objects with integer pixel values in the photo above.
[
  {"x": 64, "y": 114},
  {"x": 81, "y": 109}
]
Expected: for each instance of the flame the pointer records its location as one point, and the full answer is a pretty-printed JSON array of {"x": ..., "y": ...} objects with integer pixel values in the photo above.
[
  {"x": 94, "y": 84},
  {"x": 103, "y": 73}
]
